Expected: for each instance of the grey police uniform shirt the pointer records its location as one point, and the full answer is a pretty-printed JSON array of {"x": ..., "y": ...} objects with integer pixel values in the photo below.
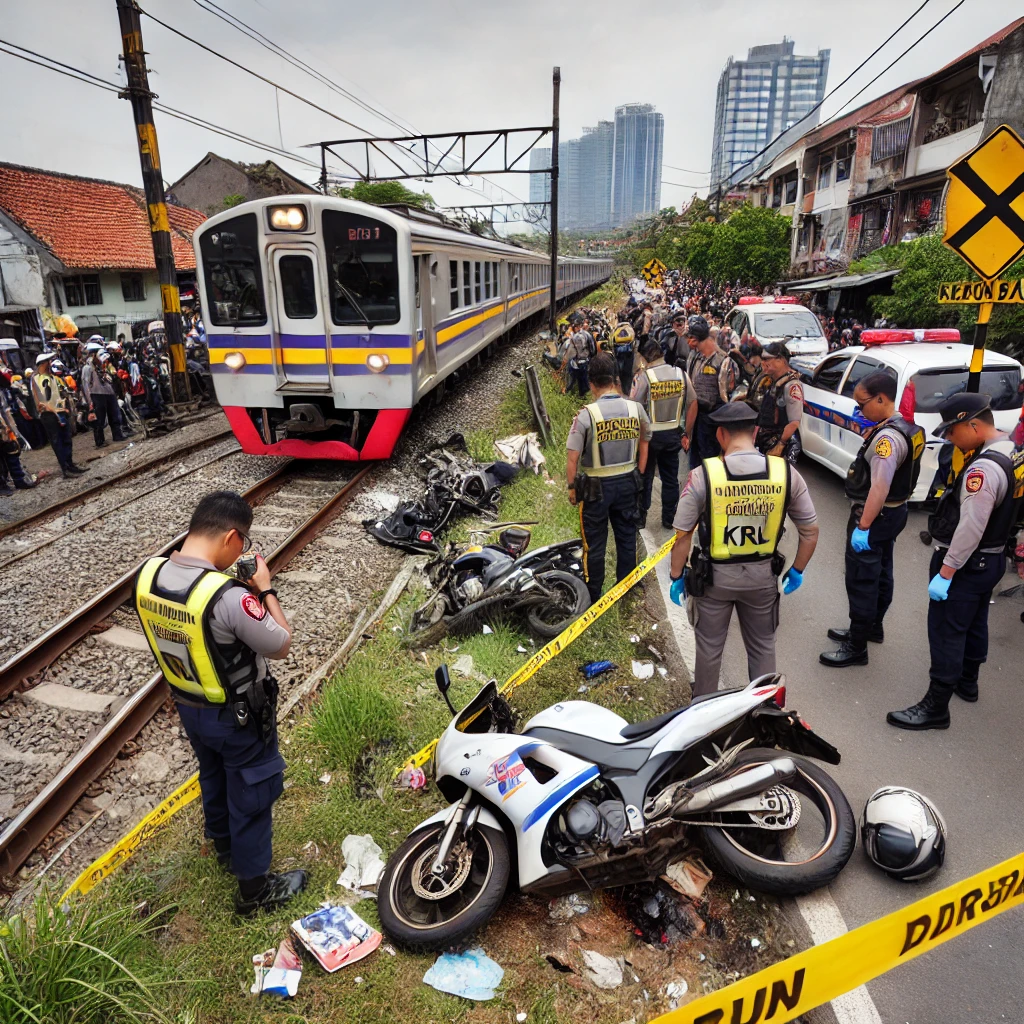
[
  {"x": 886, "y": 454},
  {"x": 693, "y": 502},
  {"x": 794, "y": 401},
  {"x": 983, "y": 489},
  {"x": 581, "y": 346},
  {"x": 579, "y": 433},
  {"x": 641, "y": 391},
  {"x": 236, "y": 614}
]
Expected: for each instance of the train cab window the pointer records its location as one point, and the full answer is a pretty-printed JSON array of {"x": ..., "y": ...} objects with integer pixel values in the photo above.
[
  {"x": 453, "y": 283},
  {"x": 467, "y": 287},
  {"x": 362, "y": 263},
  {"x": 298, "y": 287},
  {"x": 234, "y": 277}
]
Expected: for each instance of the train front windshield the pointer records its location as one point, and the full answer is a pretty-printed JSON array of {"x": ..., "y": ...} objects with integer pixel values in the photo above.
[{"x": 362, "y": 264}]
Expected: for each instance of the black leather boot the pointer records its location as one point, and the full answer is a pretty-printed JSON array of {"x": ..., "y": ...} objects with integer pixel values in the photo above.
[
  {"x": 932, "y": 712},
  {"x": 967, "y": 687},
  {"x": 276, "y": 891},
  {"x": 841, "y": 636},
  {"x": 848, "y": 653}
]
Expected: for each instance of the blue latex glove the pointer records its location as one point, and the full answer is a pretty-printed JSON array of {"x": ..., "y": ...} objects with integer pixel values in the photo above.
[
  {"x": 938, "y": 589},
  {"x": 859, "y": 540},
  {"x": 792, "y": 580},
  {"x": 678, "y": 589}
]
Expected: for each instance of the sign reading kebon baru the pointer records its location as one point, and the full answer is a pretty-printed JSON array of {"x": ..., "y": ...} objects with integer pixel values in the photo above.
[{"x": 972, "y": 292}]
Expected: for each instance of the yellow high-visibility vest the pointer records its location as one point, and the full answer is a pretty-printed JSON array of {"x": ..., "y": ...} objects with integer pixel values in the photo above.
[
  {"x": 178, "y": 631},
  {"x": 745, "y": 514}
]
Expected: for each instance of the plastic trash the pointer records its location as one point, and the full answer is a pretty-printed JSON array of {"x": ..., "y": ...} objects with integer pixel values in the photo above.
[
  {"x": 521, "y": 450},
  {"x": 363, "y": 864},
  {"x": 604, "y": 971},
  {"x": 674, "y": 991},
  {"x": 463, "y": 666},
  {"x": 662, "y": 671},
  {"x": 487, "y": 630},
  {"x": 755, "y": 943},
  {"x": 472, "y": 975},
  {"x": 412, "y": 778},
  {"x": 642, "y": 669},
  {"x": 634, "y": 638},
  {"x": 325, "y": 778},
  {"x": 520, "y": 1017},
  {"x": 597, "y": 668},
  {"x": 278, "y": 972},
  {"x": 689, "y": 875},
  {"x": 521, "y": 650},
  {"x": 565, "y": 908}
]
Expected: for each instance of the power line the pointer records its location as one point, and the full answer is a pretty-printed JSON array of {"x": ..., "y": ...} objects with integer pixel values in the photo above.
[
  {"x": 685, "y": 170},
  {"x": 832, "y": 92},
  {"x": 680, "y": 184}
]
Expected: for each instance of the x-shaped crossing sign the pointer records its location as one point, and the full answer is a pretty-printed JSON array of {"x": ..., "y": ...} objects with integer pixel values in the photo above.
[{"x": 985, "y": 204}]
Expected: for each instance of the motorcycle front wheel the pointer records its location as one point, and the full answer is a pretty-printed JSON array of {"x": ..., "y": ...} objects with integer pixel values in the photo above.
[
  {"x": 796, "y": 856},
  {"x": 422, "y": 911},
  {"x": 572, "y": 600}
]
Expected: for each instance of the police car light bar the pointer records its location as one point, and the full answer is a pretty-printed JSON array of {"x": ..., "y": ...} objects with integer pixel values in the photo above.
[
  {"x": 897, "y": 336},
  {"x": 781, "y": 298},
  {"x": 749, "y": 300}
]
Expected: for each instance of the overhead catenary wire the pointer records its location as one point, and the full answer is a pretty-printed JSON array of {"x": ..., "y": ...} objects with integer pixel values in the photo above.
[{"x": 686, "y": 170}]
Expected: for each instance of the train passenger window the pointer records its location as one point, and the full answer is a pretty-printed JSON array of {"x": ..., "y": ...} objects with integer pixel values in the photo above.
[
  {"x": 234, "y": 277},
  {"x": 487, "y": 280},
  {"x": 467, "y": 287},
  {"x": 362, "y": 263},
  {"x": 453, "y": 283},
  {"x": 495, "y": 278},
  {"x": 298, "y": 287},
  {"x": 476, "y": 281}
]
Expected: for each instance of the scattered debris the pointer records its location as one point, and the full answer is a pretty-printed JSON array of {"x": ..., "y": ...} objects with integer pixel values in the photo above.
[
  {"x": 642, "y": 669},
  {"x": 363, "y": 864},
  {"x": 412, "y": 778},
  {"x": 336, "y": 936},
  {"x": 562, "y": 968},
  {"x": 521, "y": 650},
  {"x": 604, "y": 971},
  {"x": 463, "y": 666},
  {"x": 311, "y": 850},
  {"x": 278, "y": 972},
  {"x": 674, "y": 991},
  {"x": 689, "y": 875},
  {"x": 593, "y": 669},
  {"x": 565, "y": 908},
  {"x": 662, "y": 671},
  {"x": 472, "y": 975},
  {"x": 755, "y": 943},
  {"x": 659, "y": 915},
  {"x": 583, "y": 688},
  {"x": 325, "y": 778},
  {"x": 521, "y": 450},
  {"x": 655, "y": 652},
  {"x": 520, "y": 1017},
  {"x": 634, "y": 638},
  {"x": 487, "y": 630}
]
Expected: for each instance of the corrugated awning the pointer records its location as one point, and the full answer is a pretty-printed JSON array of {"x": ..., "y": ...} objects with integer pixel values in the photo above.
[{"x": 850, "y": 281}]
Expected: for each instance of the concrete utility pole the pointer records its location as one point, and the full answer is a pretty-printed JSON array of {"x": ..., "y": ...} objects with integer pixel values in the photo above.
[
  {"x": 556, "y": 82},
  {"x": 138, "y": 92}
]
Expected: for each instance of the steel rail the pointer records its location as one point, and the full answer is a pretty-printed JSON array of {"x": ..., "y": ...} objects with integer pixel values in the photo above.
[
  {"x": 88, "y": 492},
  {"x": 48, "y": 646},
  {"x": 37, "y": 819}
]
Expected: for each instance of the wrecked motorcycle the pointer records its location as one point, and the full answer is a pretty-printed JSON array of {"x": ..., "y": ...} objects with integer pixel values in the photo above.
[
  {"x": 590, "y": 801},
  {"x": 500, "y": 578}
]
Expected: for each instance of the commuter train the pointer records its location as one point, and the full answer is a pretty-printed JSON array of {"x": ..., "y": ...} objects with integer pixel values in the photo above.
[{"x": 328, "y": 320}]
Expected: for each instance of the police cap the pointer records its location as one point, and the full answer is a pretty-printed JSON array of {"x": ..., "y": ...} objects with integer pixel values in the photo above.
[
  {"x": 733, "y": 414},
  {"x": 697, "y": 327},
  {"x": 679, "y": 317},
  {"x": 959, "y": 409},
  {"x": 775, "y": 350}
]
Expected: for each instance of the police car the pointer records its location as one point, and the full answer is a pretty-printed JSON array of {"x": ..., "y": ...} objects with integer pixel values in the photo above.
[
  {"x": 929, "y": 366},
  {"x": 779, "y": 319}
]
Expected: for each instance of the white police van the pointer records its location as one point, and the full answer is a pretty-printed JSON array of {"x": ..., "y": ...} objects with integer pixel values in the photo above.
[
  {"x": 930, "y": 366},
  {"x": 778, "y": 319}
]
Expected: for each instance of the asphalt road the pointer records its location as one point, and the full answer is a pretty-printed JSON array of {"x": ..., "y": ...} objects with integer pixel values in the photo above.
[{"x": 973, "y": 771}]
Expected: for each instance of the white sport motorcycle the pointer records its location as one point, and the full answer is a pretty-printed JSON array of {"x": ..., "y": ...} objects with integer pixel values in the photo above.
[{"x": 581, "y": 799}]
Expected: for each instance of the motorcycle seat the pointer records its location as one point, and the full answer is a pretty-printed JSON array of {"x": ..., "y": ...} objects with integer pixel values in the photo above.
[
  {"x": 624, "y": 757},
  {"x": 641, "y": 730}
]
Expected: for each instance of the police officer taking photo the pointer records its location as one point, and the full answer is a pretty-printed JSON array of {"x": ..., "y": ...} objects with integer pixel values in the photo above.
[
  {"x": 780, "y": 406},
  {"x": 211, "y": 635},
  {"x": 973, "y": 522},
  {"x": 737, "y": 502},
  {"x": 879, "y": 484},
  {"x": 607, "y": 455},
  {"x": 667, "y": 396}
]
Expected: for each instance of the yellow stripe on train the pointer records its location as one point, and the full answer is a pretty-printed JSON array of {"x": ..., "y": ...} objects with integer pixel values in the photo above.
[
  {"x": 256, "y": 356},
  {"x": 357, "y": 356}
]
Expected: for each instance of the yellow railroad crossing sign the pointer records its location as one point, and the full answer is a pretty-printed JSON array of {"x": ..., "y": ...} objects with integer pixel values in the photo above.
[
  {"x": 985, "y": 204},
  {"x": 654, "y": 271}
]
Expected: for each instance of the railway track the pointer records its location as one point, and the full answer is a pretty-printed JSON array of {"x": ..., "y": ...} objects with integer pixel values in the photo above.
[{"x": 48, "y": 807}]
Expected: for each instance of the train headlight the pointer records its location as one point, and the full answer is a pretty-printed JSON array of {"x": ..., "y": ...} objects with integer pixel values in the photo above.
[
  {"x": 287, "y": 218},
  {"x": 377, "y": 362},
  {"x": 234, "y": 361}
]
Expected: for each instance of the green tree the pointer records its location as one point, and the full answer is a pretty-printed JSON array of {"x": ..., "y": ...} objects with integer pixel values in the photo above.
[
  {"x": 696, "y": 248},
  {"x": 233, "y": 200},
  {"x": 752, "y": 245},
  {"x": 381, "y": 193}
]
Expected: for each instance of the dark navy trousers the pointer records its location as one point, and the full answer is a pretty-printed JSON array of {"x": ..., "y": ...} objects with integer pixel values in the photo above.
[
  {"x": 58, "y": 432},
  {"x": 618, "y": 506},
  {"x": 579, "y": 378},
  {"x": 240, "y": 777},
  {"x": 869, "y": 576},
  {"x": 704, "y": 443},
  {"x": 958, "y": 626},
  {"x": 663, "y": 458}
]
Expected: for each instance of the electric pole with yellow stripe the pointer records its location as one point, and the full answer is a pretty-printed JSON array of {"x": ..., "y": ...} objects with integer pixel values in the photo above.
[{"x": 138, "y": 92}]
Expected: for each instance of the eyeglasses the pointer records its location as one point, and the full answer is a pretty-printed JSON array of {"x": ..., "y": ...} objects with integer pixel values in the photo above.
[
  {"x": 866, "y": 402},
  {"x": 246, "y": 541}
]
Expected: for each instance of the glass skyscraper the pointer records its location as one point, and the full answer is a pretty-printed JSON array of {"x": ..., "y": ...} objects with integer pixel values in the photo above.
[
  {"x": 636, "y": 175},
  {"x": 760, "y": 97}
]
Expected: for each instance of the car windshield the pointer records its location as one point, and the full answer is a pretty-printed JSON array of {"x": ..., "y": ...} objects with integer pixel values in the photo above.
[
  {"x": 933, "y": 387},
  {"x": 798, "y": 324}
]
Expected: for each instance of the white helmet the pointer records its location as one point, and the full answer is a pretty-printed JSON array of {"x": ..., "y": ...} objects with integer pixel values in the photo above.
[
  {"x": 97, "y": 337},
  {"x": 903, "y": 833}
]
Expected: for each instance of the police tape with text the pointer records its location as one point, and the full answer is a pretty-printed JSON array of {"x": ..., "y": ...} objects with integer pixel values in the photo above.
[{"x": 812, "y": 978}]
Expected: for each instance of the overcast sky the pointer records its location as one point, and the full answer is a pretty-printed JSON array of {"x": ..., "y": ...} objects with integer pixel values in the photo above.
[{"x": 438, "y": 67}]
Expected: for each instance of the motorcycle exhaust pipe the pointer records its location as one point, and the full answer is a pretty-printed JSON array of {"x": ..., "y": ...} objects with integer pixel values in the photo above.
[{"x": 713, "y": 795}]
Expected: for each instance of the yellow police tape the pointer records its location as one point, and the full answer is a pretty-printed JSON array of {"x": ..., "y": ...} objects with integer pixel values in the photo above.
[
  {"x": 127, "y": 846},
  {"x": 784, "y": 991},
  {"x": 566, "y": 637}
]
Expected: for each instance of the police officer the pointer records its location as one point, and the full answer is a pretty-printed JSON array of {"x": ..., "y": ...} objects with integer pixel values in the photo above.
[
  {"x": 211, "y": 636},
  {"x": 714, "y": 376},
  {"x": 624, "y": 342},
  {"x": 738, "y": 503},
  {"x": 578, "y": 353},
  {"x": 667, "y": 396},
  {"x": 780, "y": 407},
  {"x": 49, "y": 392},
  {"x": 973, "y": 521},
  {"x": 607, "y": 455},
  {"x": 879, "y": 484},
  {"x": 676, "y": 346}
]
